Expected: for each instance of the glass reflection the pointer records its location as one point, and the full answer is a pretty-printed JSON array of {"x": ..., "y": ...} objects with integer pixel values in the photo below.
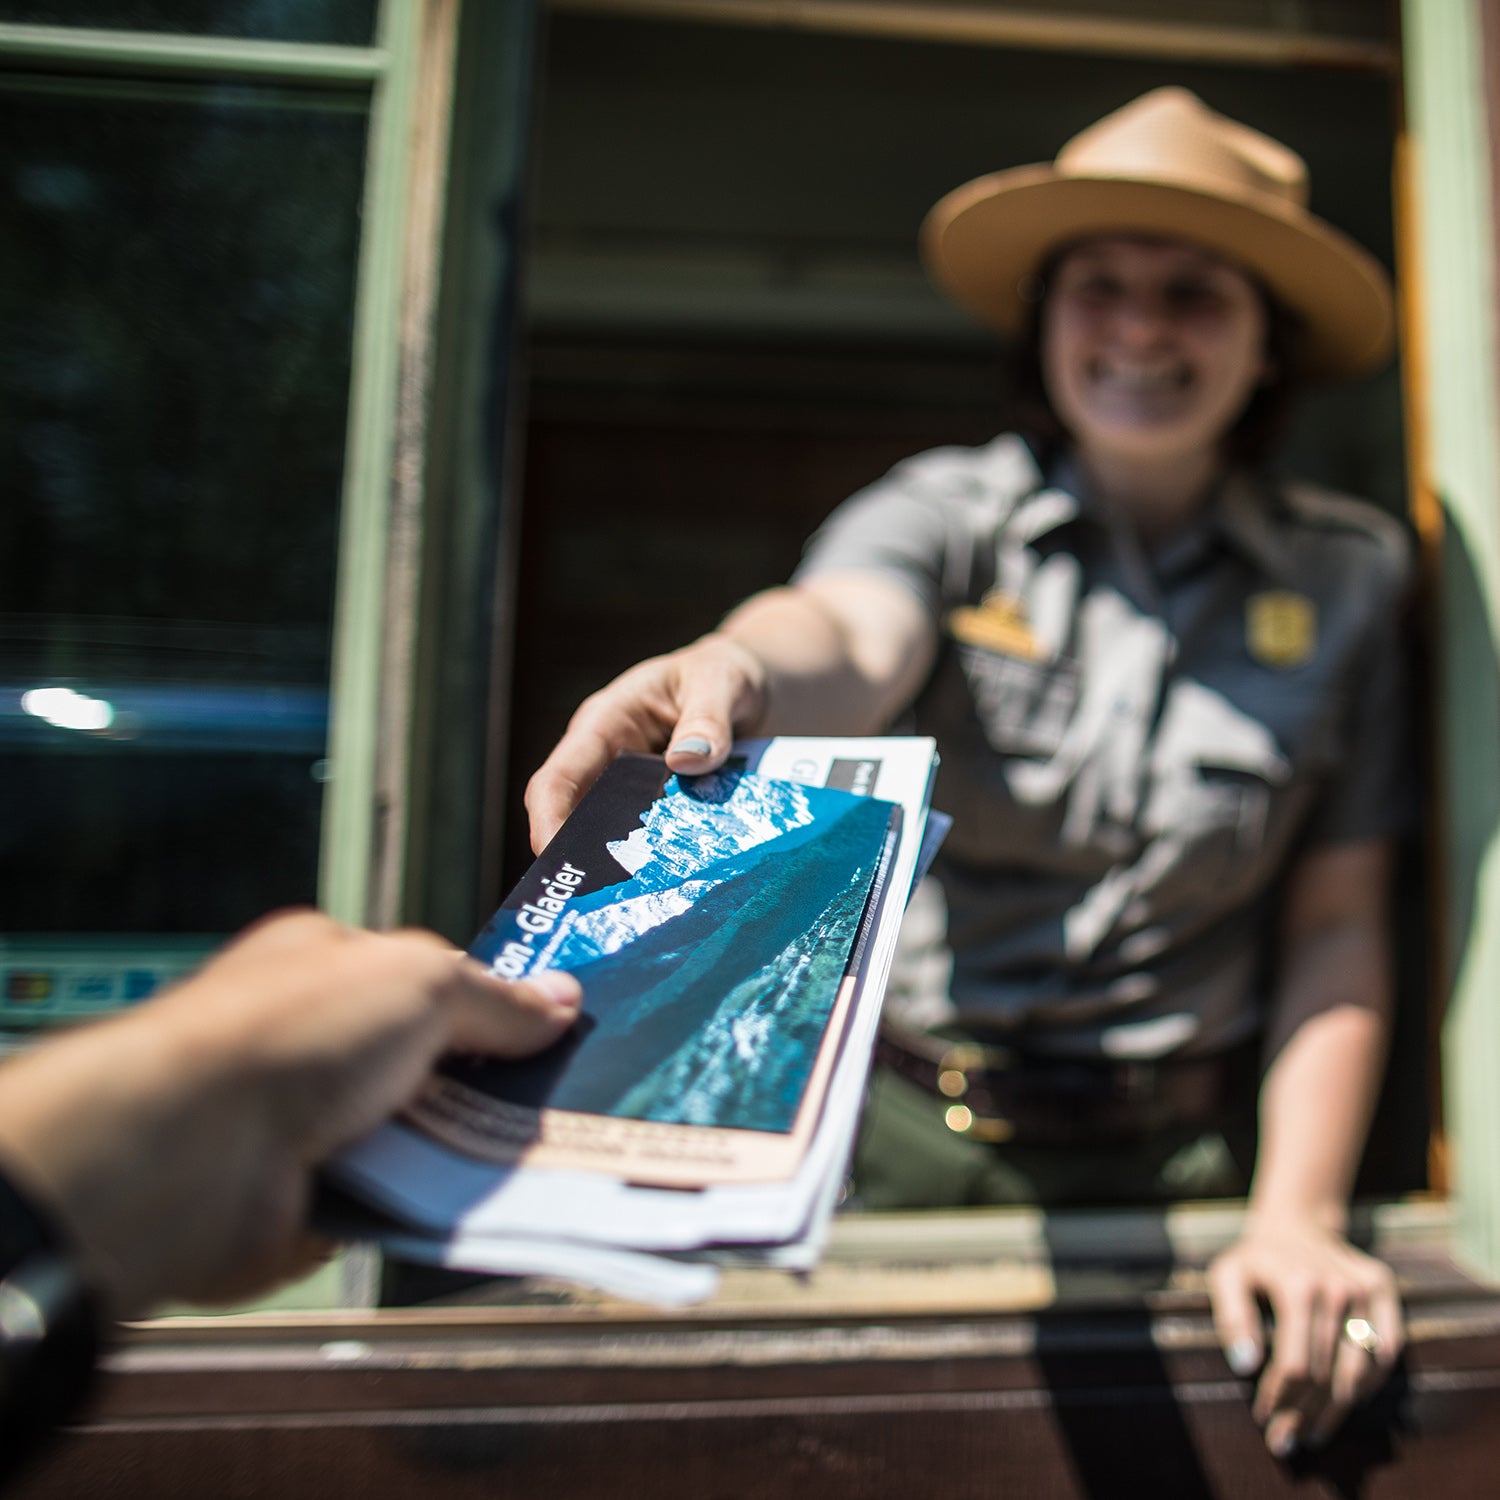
[{"x": 176, "y": 304}]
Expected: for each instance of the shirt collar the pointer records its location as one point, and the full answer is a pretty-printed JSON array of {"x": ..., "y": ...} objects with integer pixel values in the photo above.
[
  {"x": 1242, "y": 513},
  {"x": 1059, "y": 498},
  {"x": 1246, "y": 514}
]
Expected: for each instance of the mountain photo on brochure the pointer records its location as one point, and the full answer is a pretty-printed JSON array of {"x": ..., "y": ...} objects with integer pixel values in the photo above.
[{"x": 714, "y": 923}]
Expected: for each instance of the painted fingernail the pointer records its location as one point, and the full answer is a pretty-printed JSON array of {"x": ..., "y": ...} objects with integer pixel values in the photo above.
[
  {"x": 558, "y": 988},
  {"x": 694, "y": 744},
  {"x": 1282, "y": 1444},
  {"x": 1243, "y": 1356}
]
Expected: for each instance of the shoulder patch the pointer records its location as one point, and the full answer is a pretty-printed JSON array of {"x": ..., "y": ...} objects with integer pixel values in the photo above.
[
  {"x": 986, "y": 482},
  {"x": 971, "y": 493},
  {"x": 1007, "y": 464}
]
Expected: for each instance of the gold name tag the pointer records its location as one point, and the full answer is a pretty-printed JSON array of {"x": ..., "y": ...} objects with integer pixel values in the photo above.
[
  {"x": 997, "y": 623},
  {"x": 1281, "y": 628}
]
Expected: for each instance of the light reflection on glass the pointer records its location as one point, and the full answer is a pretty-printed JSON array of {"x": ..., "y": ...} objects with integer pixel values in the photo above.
[
  {"x": 66, "y": 709},
  {"x": 176, "y": 312}
]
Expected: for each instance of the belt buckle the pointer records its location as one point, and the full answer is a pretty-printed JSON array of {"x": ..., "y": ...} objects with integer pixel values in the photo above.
[{"x": 954, "y": 1068}]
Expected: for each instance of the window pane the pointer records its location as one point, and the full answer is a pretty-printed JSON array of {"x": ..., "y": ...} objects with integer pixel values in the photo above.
[
  {"x": 176, "y": 304},
  {"x": 348, "y": 23}
]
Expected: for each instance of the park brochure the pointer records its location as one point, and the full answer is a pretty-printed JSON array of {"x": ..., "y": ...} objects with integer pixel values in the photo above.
[
  {"x": 712, "y": 920},
  {"x": 733, "y": 933}
]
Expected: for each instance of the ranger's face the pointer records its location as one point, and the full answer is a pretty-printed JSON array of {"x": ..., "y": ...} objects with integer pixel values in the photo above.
[{"x": 1151, "y": 349}]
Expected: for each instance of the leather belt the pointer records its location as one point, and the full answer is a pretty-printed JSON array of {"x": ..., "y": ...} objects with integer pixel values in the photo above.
[{"x": 998, "y": 1094}]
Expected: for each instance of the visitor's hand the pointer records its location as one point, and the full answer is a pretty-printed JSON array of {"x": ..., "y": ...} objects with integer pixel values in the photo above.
[
  {"x": 690, "y": 705},
  {"x": 1338, "y": 1327},
  {"x": 177, "y": 1142}
]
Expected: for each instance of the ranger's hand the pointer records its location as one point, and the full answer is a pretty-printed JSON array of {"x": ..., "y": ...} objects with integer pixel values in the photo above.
[
  {"x": 690, "y": 704},
  {"x": 1338, "y": 1328}
]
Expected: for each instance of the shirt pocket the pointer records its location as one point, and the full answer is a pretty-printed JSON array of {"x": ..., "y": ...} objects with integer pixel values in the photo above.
[
  {"x": 1233, "y": 819},
  {"x": 1023, "y": 705},
  {"x": 1220, "y": 789},
  {"x": 1211, "y": 842}
]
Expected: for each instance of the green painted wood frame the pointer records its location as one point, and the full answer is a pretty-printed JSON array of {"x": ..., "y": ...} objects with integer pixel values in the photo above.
[
  {"x": 378, "y": 658},
  {"x": 1456, "y": 470},
  {"x": 401, "y": 138}
]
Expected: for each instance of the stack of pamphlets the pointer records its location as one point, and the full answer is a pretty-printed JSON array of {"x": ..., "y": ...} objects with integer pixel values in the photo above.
[{"x": 733, "y": 934}]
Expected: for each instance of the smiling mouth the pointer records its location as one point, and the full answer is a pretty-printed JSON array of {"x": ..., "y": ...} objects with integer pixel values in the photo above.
[{"x": 1150, "y": 380}]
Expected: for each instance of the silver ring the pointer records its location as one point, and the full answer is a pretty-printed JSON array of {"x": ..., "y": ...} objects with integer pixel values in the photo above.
[{"x": 1359, "y": 1333}]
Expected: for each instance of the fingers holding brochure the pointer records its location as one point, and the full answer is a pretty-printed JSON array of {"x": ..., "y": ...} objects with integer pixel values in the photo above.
[
  {"x": 688, "y": 705},
  {"x": 736, "y": 931},
  {"x": 174, "y": 1145}
]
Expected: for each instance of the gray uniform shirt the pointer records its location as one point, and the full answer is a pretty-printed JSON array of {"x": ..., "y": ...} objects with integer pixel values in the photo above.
[{"x": 1134, "y": 746}]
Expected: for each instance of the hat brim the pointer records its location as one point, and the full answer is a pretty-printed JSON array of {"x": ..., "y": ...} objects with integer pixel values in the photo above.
[{"x": 984, "y": 239}]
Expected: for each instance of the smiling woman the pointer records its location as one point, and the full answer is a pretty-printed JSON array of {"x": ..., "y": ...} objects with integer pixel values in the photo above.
[{"x": 1168, "y": 698}]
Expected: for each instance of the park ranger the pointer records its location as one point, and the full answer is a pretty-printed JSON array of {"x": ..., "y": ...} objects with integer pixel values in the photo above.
[{"x": 1168, "y": 698}]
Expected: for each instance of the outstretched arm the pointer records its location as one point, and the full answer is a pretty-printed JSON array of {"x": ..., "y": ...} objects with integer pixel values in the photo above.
[
  {"x": 176, "y": 1143},
  {"x": 840, "y": 653},
  {"x": 1328, "y": 1042}
]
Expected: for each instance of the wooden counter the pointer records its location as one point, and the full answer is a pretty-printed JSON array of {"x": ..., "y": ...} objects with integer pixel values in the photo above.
[{"x": 985, "y": 1354}]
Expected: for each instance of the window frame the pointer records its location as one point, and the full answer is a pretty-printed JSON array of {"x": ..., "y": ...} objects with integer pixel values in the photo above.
[
  {"x": 405, "y": 76},
  {"x": 1446, "y": 196},
  {"x": 422, "y": 390}
]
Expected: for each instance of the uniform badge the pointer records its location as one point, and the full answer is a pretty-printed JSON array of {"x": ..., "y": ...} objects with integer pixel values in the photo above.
[
  {"x": 997, "y": 623},
  {"x": 1281, "y": 628}
]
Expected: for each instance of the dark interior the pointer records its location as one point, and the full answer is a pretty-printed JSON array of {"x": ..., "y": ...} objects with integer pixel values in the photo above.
[{"x": 729, "y": 331}]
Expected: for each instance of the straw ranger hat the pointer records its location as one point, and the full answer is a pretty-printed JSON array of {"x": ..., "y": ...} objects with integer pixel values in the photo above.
[{"x": 1166, "y": 164}]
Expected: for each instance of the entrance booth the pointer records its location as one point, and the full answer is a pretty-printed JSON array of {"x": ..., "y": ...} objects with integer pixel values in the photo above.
[{"x": 382, "y": 376}]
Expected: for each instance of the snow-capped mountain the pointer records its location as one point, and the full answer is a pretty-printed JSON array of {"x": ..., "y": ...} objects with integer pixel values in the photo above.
[
  {"x": 706, "y": 820},
  {"x": 607, "y": 929}
]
